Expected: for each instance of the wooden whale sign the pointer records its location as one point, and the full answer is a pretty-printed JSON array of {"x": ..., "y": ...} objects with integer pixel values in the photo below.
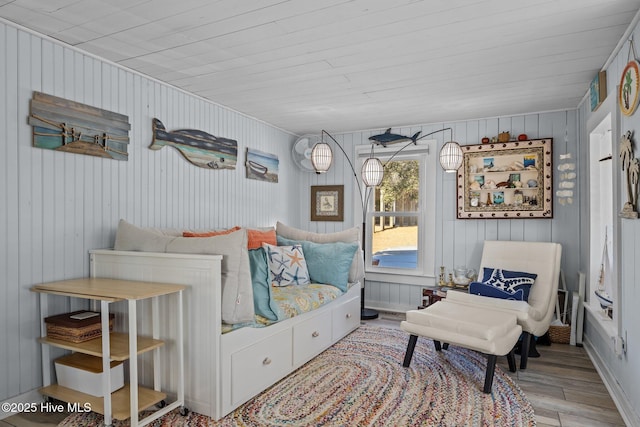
[{"x": 199, "y": 148}]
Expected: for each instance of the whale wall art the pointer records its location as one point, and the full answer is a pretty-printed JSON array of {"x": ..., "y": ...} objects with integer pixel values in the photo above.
[
  {"x": 63, "y": 125},
  {"x": 198, "y": 147}
]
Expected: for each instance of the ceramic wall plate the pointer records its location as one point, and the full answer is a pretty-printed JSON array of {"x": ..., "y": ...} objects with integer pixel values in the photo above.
[{"x": 628, "y": 89}]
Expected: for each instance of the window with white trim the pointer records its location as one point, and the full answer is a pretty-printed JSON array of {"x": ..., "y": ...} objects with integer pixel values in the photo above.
[{"x": 400, "y": 217}]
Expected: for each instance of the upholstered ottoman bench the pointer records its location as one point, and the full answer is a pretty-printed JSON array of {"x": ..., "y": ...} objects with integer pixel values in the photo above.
[{"x": 491, "y": 332}]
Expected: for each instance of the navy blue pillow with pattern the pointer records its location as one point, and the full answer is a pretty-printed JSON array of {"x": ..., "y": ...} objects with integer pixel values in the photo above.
[{"x": 505, "y": 284}]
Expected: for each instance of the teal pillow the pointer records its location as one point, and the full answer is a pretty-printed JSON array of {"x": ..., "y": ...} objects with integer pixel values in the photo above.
[
  {"x": 260, "y": 282},
  {"x": 327, "y": 263}
]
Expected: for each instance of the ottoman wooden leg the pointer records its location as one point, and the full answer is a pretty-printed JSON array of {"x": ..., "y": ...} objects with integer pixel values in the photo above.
[
  {"x": 437, "y": 345},
  {"x": 445, "y": 346},
  {"x": 491, "y": 367},
  {"x": 512, "y": 361},
  {"x": 409, "y": 353},
  {"x": 524, "y": 349}
]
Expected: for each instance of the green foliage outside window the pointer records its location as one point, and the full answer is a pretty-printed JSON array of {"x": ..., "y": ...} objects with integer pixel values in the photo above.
[{"x": 400, "y": 184}]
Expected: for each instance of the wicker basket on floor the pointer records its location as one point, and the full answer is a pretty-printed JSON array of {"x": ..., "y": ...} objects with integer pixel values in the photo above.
[{"x": 560, "y": 334}]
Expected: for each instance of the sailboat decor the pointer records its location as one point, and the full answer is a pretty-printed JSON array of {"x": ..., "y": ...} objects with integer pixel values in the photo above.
[{"x": 603, "y": 292}]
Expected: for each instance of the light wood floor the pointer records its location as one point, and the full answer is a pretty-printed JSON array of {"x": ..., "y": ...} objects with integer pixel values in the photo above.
[{"x": 562, "y": 385}]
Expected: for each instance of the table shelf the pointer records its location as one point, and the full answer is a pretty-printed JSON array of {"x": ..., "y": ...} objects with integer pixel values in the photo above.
[
  {"x": 119, "y": 398},
  {"x": 119, "y": 348}
]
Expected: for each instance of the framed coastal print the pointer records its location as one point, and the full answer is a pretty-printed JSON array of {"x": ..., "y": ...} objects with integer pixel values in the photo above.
[
  {"x": 628, "y": 89},
  {"x": 506, "y": 180},
  {"x": 327, "y": 203}
]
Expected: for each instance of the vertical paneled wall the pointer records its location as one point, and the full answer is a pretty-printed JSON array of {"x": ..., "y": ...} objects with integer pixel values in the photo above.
[
  {"x": 459, "y": 242},
  {"x": 625, "y": 368},
  {"x": 56, "y": 206}
]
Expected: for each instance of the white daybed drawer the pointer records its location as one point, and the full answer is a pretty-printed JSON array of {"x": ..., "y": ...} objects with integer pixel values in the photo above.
[
  {"x": 346, "y": 318},
  {"x": 258, "y": 366},
  {"x": 311, "y": 337}
]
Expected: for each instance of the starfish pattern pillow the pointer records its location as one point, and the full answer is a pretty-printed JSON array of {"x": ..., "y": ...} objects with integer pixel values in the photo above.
[
  {"x": 505, "y": 284},
  {"x": 287, "y": 265}
]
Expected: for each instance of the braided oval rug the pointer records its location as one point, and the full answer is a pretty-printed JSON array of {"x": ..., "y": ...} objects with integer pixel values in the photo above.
[{"x": 360, "y": 381}]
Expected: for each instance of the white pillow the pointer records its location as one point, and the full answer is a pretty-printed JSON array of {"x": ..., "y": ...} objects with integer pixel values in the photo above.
[
  {"x": 132, "y": 238},
  {"x": 350, "y": 235},
  {"x": 237, "y": 291}
]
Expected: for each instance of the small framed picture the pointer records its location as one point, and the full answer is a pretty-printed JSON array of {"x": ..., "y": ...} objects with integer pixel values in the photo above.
[
  {"x": 327, "y": 203},
  {"x": 498, "y": 197},
  {"x": 488, "y": 163}
]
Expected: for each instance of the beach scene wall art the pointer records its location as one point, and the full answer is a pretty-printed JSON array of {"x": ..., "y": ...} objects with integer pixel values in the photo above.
[
  {"x": 63, "y": 125},
  {"x": 200, "y": 148},
  {"x": 262, "y": 166}
]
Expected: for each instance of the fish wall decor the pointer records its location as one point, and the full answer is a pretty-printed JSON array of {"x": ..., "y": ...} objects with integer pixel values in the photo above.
[
  {"x": 63, "y": 125},
  {"x": 392, "y": 138},
  {"x": 198, "y": 147}
]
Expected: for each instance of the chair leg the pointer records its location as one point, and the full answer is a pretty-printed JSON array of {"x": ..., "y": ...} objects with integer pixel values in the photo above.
[
  {"x": 491, "y": 367},
  {"x": 524, "y": 349},
  {"x": 445, "y": 346},
  {"x": 512, "y": 361},
  {"x": 437, "y": 345},
  {"x": 409, "y": 353}
]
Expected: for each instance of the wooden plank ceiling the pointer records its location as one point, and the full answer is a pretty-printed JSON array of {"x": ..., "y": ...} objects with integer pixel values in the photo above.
[{"x": 341, "y": 65}]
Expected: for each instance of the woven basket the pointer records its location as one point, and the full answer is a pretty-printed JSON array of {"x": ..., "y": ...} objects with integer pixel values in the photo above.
[
  {"x": 64, "y": 327},
  {"x": 76, "y": 335},
  {"x": 560, "y": 334}
]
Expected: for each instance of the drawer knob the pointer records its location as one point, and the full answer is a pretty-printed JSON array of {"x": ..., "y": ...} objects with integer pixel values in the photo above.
[
  {"x": 266, "y": 361},
  {"x": 348, "y": 316},
  {"x": 316, "y": 334}
]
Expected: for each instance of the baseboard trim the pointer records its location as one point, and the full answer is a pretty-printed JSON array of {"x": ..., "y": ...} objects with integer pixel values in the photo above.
[
  {"x": 390, "y": 308},
  {"x": 617, "y": 394},
  {"x": 29, "y": 397}
]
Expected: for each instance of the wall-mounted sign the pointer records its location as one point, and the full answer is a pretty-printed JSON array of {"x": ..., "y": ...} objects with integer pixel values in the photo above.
[
  {"x": 628, "y": 89},
  {"x": 598, "y": 90},
  {"x": 200, "y": 148},
  {"x": 63, "y": 125}
]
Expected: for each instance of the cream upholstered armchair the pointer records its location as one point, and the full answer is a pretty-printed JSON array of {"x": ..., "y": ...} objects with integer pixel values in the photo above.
[{"x": 535, "y": 314}]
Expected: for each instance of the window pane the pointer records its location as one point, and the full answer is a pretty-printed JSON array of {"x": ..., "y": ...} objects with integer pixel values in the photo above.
[
  {"x": 395, "y": 242},
  {"x": 400, "y": 187}
]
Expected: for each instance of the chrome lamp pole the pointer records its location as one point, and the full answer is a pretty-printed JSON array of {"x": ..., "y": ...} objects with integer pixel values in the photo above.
[{"x": 372, "y": 174}]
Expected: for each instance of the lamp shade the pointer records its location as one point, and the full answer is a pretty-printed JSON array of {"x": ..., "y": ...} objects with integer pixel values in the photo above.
[
  {"x": 372, "y": 172},
  {"x": 321, "y": 157},
  {"x": 451, "y": 156}
]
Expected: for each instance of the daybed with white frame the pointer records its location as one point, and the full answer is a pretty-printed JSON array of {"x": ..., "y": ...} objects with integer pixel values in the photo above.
[{"x": 224, "y": 370}]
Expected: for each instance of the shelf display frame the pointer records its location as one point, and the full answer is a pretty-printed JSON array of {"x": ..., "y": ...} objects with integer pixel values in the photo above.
[{"x": 506, "y": 180}]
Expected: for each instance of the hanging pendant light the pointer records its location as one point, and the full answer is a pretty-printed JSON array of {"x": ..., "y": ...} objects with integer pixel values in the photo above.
[
  {"x": 451, "y": 157},
  {"x": 321, "y": 157},
  {"x": 372, "y": 172}
]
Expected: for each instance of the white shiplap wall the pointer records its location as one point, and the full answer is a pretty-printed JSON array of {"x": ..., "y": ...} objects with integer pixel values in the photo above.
[
  {"x": 55, "y": 206},
  {"x": 621, "y": 371},
  {"x": 459, "y": 242}
]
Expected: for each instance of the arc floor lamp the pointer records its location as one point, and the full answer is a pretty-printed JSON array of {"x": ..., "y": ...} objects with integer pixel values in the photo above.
[{"x": 372, "y": 174}]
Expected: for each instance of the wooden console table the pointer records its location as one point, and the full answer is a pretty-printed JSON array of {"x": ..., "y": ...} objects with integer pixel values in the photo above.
[{"x": 114, "y": 346}]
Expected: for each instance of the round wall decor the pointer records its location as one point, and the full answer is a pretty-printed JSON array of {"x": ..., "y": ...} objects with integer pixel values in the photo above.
[{"x": 628, "y": 91}]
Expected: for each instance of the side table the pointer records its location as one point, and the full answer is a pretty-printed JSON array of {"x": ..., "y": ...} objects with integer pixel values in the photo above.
[
  {"x": 128, "y": 401},
  {"x": 434, "y": 294}
]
